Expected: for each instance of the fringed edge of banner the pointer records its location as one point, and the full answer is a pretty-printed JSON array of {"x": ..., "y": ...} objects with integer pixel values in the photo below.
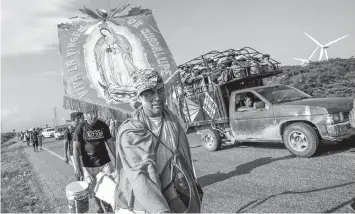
[{"x": 105, "y": 112}]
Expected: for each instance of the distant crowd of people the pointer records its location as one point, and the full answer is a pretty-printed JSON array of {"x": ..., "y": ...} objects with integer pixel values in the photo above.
[
  {"x": 32, "y": 137},
  {"x": 197, "y": 78}
]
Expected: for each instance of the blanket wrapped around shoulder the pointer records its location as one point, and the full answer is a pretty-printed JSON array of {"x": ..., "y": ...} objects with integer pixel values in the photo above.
[{"x": 145, "y": 178}]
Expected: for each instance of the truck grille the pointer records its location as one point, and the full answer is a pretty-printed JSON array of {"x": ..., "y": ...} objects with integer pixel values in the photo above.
[{"x": 346, "y": 115}]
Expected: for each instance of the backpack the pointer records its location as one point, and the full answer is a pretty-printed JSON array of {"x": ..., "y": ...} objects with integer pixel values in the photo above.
[{"x": 183, "y": 193}]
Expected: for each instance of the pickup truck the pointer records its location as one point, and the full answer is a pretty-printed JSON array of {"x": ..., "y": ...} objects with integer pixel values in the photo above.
[
  {"x": 239, "y": 107},
  {"x": 272, "y": 113}
]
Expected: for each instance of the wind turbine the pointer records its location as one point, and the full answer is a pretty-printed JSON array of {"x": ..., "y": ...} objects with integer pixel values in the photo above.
[
  {"x": 324, "y": 47},
  {"x": 306, "y": 61}
]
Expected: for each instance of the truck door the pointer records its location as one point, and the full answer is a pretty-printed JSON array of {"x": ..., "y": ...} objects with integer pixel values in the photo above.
[{"x": 252, "y": 118}]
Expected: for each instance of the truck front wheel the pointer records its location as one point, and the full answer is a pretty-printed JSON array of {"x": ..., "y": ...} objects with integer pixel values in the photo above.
[
  {"x": 301, "y": 139},
  {"x": 211, "y": 140}
]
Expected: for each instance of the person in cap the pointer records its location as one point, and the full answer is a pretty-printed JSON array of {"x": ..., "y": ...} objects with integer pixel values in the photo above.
[
  {"x": 34, "y": 138},
  {"x": 76, "y": 118},
  {"x": 89, "y": 150},
  {"x": 187, "y": 81},
  {"x": 146, "y": 144},
  {"x": 254, "y": 64},
  {"x": 267, "y": 65}
]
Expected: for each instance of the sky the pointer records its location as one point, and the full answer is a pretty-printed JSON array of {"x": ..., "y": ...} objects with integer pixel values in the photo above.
[{"x": 31, "y": 84}]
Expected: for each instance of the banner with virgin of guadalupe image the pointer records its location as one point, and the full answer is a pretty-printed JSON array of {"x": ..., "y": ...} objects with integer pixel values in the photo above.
[{"x": 104, "y": 50}]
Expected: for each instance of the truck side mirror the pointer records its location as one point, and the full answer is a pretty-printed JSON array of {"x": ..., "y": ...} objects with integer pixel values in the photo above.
[{"x": 259, "y": 105}]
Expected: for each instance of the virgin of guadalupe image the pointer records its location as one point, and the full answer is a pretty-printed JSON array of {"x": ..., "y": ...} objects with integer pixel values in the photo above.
[{"x": 113, "y": 55}]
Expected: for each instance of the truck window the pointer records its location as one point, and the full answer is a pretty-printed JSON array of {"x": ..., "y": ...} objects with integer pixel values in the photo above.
[
  {"x": 247, "y": 102},
  {"x": 282, "y": 93}
]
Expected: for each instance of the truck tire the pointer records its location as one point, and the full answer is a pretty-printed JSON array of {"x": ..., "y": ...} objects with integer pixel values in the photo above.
[
  {"x": 301, "y": 139},
  {"x": 211, "y": 140}
]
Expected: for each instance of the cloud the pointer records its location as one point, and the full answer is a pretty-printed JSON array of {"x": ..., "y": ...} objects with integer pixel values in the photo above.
[
  {"x": 6, "y": 113},
  {"x": 30, "y": 26}
]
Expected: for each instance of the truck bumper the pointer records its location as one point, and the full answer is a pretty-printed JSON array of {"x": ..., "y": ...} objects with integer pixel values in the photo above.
[
  {"x": 339, "y": 132},
  {"x": 352, "y": 117}
]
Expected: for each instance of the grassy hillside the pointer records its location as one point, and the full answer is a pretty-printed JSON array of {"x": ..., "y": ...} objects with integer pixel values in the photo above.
[{"x": 335, "y": 77}]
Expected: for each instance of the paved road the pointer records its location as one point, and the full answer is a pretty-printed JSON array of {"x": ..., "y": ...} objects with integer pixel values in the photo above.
[{"x": 247, "y": 178}]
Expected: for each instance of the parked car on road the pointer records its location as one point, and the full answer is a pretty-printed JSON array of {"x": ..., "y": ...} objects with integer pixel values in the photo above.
[
  {"x": 59, "y": 133},
  {"x": 48, "y": 132}
]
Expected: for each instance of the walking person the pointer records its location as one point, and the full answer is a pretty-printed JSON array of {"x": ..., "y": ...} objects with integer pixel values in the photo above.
[
  {"x": 40, "y": 138},
  {"x": 76, "y": 118},
  {"x": 27, "y": 136},
  {"x": 150, "y": 146},
  {"x": 34, "y": 139},
  {"x": 89, "y": 140}
]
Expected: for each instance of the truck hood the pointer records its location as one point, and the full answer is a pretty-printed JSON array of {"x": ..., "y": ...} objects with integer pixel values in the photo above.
[{"x": 331, "y": 104}]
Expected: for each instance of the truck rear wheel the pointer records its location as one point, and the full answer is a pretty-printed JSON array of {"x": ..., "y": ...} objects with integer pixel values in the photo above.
[
  {"x": 301, "y": 139},
  {"x": 211, "y": 140}
]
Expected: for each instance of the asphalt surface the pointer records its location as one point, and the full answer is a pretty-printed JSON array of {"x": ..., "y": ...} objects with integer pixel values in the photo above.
[{"x": 249, "y": 178}]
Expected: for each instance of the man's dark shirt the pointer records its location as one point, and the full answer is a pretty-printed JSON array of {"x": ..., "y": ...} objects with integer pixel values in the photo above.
[
  {"x": 68, "y": 135},
  {"x": 34, "y": 136},
  {"x": 92, "y": 139}
]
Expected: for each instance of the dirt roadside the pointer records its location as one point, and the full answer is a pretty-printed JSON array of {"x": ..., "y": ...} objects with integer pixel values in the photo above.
[
  {"x": 53, "y": 175},
  {"x": 21, "y": 191}
]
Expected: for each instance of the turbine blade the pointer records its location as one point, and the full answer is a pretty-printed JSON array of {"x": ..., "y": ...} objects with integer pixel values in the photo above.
[
  {"x": 300, "y": 59},
  {"x": 314, "y": 40},
  {"x": 326, "y": 54},
  {"x": 321, "y": 54},
  {"x": 329, "y": 43},
  {"x": 313, "y": 53}
]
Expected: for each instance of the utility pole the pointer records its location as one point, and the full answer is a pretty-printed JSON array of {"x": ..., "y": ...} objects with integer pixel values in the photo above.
[{"x": 55, "y": 117}]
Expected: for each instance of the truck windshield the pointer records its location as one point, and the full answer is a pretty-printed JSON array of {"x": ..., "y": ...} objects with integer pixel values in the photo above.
[{"x": 282, "y": 93}]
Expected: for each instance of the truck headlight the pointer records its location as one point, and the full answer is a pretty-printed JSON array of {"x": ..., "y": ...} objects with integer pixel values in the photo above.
[{"x": 331, "y": 119}]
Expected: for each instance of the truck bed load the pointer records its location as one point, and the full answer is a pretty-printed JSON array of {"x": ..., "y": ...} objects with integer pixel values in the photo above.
[{"x": 209, "y": 79}]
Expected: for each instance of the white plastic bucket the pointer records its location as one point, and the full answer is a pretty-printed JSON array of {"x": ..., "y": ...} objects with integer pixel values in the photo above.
[
  {"x": 105, "y": 188},
  {"x": 78, "y": 197}
]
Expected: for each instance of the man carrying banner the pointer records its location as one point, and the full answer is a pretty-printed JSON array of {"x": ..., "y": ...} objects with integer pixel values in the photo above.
[
  {"x": 148, "y": 147},
  {"x": 89, "y": 148}
]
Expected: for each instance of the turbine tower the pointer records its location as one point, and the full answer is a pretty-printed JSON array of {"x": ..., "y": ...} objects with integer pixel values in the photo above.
[
  {"x": 324, "y": 48},
  {"x": 306, "y": 61}
]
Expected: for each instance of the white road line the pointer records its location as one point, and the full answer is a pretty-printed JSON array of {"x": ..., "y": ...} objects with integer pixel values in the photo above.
[{"x": 55, "y": 154}]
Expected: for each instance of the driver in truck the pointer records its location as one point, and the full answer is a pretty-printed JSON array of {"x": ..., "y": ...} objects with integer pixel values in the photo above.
[{"x": 248, "y": 103}]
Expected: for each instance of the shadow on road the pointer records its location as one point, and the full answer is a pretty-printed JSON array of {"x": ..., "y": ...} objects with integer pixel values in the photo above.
[
  {"x": 242, "y": 169},
  {"x": 329, "y": 149},
  {"x": 324, "y": 149},
  {"x": 263, "y": 145},
  {"x": 255, "y": 203},
  {"x": 55, "y": 147}
]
